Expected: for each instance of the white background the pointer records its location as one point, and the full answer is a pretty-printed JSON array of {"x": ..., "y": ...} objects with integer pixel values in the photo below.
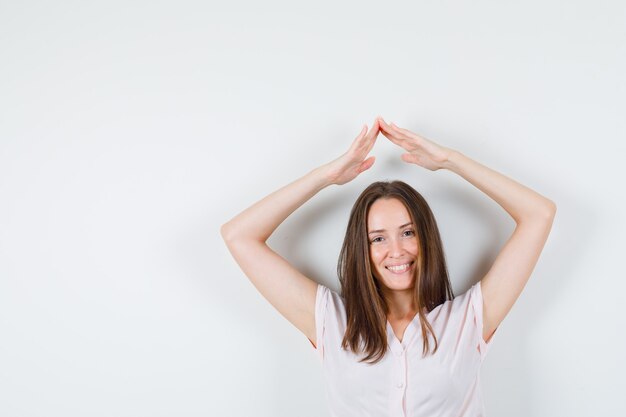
[{"x": 131, "y": 130}]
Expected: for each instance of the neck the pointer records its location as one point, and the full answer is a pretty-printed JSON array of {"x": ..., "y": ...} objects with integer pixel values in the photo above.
[{"x": 400, "y": 303}]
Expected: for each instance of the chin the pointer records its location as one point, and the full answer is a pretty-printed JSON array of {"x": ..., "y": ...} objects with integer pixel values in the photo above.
[{"x": 399, "y": 285}]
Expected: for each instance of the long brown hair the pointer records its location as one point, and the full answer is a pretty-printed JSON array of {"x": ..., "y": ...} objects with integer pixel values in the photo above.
[{"x": 366, "y": 307}]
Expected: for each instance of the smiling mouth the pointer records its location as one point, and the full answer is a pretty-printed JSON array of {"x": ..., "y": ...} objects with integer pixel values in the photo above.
[{"x": 399, "y": 269}]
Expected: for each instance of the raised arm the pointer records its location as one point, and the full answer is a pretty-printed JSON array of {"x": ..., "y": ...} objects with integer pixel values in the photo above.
[
  {"x": 532, "y": 213},
  {"x": 286, "y": 288}
]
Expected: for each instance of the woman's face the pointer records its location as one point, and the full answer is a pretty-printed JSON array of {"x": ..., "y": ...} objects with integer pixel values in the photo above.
[{"x": 393, "y": 245}]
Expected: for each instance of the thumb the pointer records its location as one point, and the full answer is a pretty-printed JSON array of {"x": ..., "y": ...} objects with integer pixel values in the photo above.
[
  {"x": 367, "y": 164},
  {"x": 408, "y": 157}
]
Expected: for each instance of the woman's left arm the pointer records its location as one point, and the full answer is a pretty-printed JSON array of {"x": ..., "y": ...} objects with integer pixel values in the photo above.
[
  {"x": 532, "y": 212},
  {"x": 533, "y": 215}
]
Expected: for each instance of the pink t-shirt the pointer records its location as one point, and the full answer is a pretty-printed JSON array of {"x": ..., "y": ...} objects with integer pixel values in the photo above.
[{"x": 403, "y": 384}]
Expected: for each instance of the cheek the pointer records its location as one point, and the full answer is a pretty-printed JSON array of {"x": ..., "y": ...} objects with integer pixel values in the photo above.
[
  {"x": 375, "y": 265},
  {"x": 375, "y": 255}
]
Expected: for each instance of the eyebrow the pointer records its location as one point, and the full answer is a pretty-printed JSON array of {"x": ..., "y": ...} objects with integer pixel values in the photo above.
[{"x": 382, "y": 230}]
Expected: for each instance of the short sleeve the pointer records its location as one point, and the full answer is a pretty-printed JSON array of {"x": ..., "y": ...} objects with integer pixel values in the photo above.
[
  {"x": 321, "y": 303},
  {"x": 476, "y": 301}
]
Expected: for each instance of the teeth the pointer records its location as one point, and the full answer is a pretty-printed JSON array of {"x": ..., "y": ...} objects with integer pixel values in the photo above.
[{"x": 399, "y": 268}]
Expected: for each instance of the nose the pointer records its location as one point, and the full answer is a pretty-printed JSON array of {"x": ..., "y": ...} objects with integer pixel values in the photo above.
[{"x": 396, "y": 248}]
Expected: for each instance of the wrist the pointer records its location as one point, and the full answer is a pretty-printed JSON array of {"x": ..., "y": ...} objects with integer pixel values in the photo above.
[
  {"x": 451, "y": 163},
  {"x": 322, "y": 177}
]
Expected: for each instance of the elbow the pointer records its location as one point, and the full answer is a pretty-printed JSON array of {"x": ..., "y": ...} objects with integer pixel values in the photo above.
[
  {"x": 232, "y": 235},
  {"x": 226, "y": 232},
  {"x": 551, "y": 209},
  {"x": 239, "y": 231},
  {"x": 547, "y": 212},
  {"x": 542, "y": 213}
]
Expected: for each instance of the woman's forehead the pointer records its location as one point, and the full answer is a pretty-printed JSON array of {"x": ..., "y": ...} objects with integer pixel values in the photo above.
[{"x": 385, "y": 213}]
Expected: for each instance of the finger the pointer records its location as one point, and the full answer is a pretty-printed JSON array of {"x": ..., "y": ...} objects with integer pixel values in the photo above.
[
  {"x": 375, "y": 125},
  {"x": 374, "y": 131},
  {"x": 362, "y": 132},
  {"x": 367, "y": 146},
  {"x": 368, "y": 135},
  {"x": 366, "y": 143},
  {"x": 401, "y": 131},
  {"x": 384, "y": 124},
  {"x": 406, "y": 132},
  {"x": 394, "y": 130},
  {"x": 359, "y": 139},
  {"x": 392, "y": 136},
  {"x": 408, "y": 157},
  {"x": 386, "y": 128},
  {"x": 398, "y": 128}
]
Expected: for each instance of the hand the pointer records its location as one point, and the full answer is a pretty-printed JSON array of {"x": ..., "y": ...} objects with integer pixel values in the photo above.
[
  {"x": 353, "y": 162},
  {"x": 420, "y": 150}
]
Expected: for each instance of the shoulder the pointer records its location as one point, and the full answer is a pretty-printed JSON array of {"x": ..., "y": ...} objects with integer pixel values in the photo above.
[{"x": 458, "y": 307}]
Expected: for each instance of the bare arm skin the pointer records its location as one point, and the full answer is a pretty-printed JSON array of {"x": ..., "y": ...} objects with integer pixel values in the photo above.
[
  {"x": 286, "y": 288},
  {"x": 532, "y": 213}
]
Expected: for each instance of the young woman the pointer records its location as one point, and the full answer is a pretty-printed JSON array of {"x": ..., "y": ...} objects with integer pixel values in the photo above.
[{"x": 395, "y": 342}]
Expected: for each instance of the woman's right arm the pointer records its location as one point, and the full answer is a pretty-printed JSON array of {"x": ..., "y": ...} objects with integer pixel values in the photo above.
[{"x": 286, "y": 288}]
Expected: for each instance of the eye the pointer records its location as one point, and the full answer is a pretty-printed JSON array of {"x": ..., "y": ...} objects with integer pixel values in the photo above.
[
  {"x": 376, "y": 239},
  {"x": 410, "y": 232}
]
